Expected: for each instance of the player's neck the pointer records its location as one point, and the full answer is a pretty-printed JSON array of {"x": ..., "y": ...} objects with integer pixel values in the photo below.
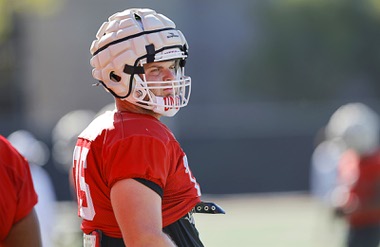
[{"x": 126, "y": 106}]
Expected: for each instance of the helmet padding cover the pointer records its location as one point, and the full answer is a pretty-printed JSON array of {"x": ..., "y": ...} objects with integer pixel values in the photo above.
[{"x": 128, "y": 40}]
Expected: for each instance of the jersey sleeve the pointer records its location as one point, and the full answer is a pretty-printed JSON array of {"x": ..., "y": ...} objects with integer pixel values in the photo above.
[
  {"x": 138, "y": 157},
  {"x": 16, "y": 185},
  {"x": 26, "y": 194}
]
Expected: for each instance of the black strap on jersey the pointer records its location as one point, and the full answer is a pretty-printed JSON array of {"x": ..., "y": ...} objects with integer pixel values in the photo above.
[{"x": 152, "y": 185}]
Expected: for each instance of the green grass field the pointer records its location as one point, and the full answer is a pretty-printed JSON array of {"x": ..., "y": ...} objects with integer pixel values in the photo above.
[
  {"x": 286, "y": 220},
  {"x": 268, "y": 220}
]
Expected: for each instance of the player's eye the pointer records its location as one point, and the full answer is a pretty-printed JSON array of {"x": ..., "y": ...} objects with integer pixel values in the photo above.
[
  {"x": 174, "y": 67},
  {"x": 154, "y": 71}
]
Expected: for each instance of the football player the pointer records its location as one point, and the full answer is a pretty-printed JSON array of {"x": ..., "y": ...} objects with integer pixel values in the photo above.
[
  {"x": 133, "y": 182},
  {"x": 19, "y": 226},
  {"x": 357, "y": 194}
]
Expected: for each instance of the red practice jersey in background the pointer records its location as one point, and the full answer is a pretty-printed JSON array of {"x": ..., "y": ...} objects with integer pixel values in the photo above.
[
  {"x": 122, "y": 145},
  {"x": 17, "y": 194},
  {"x": 362, "y": 174}
]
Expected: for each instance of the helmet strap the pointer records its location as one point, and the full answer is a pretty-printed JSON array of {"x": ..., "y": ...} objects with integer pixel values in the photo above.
[{"x": 151, "y": 52}]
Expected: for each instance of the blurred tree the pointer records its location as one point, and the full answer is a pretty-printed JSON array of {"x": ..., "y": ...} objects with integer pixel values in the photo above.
[
  {"x": 11, "y": 12},
  {"x": 313, "y": 49},
  {"x": 10, "y": 8}
]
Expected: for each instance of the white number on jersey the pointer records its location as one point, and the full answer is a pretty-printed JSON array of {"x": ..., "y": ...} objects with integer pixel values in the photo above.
[
  {"x": 192, "y": 179},
  {"x": 85, "y": 206}
]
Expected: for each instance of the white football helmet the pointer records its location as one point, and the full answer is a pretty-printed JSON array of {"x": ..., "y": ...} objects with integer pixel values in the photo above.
[
  {"x": 127, "y": 41},
  {"x": 357, "y": 125}
]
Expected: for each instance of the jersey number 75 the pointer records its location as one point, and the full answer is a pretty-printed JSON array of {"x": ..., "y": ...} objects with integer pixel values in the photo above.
[{"x": 85, "y": 206}]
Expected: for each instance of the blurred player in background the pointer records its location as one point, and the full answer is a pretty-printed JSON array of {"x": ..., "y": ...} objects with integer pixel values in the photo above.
[
  {"x": 356, "y": 196},
  {"x": 133, "y": 182},
  {"x": 324, "y": 168},
  {"x": 64, "y": 136},
  {"x": 19, "y": 226},
  {"x": 37, "y": 153}
]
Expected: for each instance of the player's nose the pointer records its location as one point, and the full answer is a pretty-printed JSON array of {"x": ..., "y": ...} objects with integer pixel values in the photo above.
[{"x": 168, "y": 75}]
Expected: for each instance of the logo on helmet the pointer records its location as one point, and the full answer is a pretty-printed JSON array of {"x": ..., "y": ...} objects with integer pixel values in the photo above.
[{"x": 172, "y": 35}]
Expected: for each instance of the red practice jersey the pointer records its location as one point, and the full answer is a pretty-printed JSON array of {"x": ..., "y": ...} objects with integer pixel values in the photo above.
[
  {"x": 121, "y": 145},
  {"x": 362, "y": 175},
  {"x": 17, "y": 194}
]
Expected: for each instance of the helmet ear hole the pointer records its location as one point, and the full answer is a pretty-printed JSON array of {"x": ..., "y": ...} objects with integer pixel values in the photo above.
[{"x": 114, "y": 77}]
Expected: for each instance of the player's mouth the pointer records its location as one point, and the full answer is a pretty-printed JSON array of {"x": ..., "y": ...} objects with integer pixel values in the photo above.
[{"x": 168, "y": 91}]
